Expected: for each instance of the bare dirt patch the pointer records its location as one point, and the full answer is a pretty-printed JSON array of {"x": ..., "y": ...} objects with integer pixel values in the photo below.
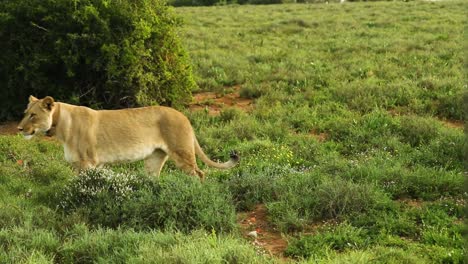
[
  {"x": 214, "y": 102},
  {"x": 9, "y": 128},
  {"x": 256, "y": 228},
  {"x": 458, "y": 124},
  {"x": 319, "y": 136},
  {"x": 412, "y": 202}
]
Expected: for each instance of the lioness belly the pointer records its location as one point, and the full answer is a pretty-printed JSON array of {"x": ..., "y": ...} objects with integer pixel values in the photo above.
[{"x": 134, "y": 153}]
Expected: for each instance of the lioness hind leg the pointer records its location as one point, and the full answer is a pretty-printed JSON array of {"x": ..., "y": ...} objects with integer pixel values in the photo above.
[
  {"x": 185, "y": 160},
  {"x": 155, "y": 162}
]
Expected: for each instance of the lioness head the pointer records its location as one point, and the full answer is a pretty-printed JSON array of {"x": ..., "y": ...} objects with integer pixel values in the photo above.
[{"x": 37, "y": 116}]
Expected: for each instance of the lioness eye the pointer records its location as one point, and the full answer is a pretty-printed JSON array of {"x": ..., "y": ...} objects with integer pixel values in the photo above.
[{"x": 31, "y": 116}]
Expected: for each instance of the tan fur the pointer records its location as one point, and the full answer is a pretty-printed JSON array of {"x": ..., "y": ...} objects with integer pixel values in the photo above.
[{"x": 92, "y": 138}]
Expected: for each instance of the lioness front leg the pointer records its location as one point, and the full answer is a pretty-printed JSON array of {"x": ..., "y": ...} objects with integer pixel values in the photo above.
[
  {"x": 155, "y": 162},
  {"x": 82, "y": 165}
]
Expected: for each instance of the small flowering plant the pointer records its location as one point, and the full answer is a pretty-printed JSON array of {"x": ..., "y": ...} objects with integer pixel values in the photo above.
[
  {"x": 270, "y": 153},
  {"x": 92, "y": 184},
  {"x": 110, "y": 199}
]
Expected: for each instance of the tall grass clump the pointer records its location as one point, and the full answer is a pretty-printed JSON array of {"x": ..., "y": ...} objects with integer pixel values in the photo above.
[
  {"x": 81, "y": 244},
  {"x": 417, "y": 130},
  {"x": 249, "y": 188},
  {"x": 328, "y": 238},
  {"x": 311, "y": 197}
]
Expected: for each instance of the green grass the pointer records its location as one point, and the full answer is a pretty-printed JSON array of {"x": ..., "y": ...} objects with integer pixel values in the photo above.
[
  {"x": 385, "y": 184},
  {"x": 397, "y": 56}
]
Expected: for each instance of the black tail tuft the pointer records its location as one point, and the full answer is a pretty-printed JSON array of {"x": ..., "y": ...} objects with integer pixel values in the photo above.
[{"x": 234, "y": 156}]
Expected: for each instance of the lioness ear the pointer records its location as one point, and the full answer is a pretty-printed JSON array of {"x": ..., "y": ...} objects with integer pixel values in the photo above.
[
  {"x": 32, "y": 98},
  {"x": 48, "y": 103}
]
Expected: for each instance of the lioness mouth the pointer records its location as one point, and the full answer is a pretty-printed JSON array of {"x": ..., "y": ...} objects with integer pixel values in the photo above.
[
  {"x": 29, "y": 136},
  {"x": 50, "y": 132}
]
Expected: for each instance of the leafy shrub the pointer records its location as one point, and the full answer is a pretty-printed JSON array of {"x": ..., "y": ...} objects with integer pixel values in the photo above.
[
  {"x": 93, "y": 52},
  {"x": 113, "y": 199}
]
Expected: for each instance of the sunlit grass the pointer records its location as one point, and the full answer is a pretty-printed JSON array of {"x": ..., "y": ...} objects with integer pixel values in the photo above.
[{"x": 346, "y": 146}]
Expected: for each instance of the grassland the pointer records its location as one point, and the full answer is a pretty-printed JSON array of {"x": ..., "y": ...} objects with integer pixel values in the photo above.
[{"x": 353, "y": 145}]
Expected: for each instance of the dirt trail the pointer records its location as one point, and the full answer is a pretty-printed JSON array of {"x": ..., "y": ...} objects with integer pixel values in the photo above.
[
  {"x": 267, "y": 239},
  {"x": 459, "y": 124},
  {"x": 9, "y": 128},
  {"x": 214, "y": 103}
]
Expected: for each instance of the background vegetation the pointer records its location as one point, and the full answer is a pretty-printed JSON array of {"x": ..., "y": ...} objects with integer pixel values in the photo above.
[
  {"x": 101, "y": 53},
  {"x": 250, "y": 2},
  {"x": 354, "y": 146}
]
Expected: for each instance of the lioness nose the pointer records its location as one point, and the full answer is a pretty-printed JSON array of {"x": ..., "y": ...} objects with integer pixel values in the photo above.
[{"x": 20, "y": 128}]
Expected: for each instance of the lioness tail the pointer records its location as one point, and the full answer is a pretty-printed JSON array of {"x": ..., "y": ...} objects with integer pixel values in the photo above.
[{"x": 226, "y": 165}]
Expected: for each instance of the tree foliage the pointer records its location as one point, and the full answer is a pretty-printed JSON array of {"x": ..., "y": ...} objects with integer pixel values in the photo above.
[{"x": 102, "y": 53}]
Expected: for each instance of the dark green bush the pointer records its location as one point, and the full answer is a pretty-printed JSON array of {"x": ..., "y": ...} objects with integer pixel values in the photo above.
[
  {"x": 93, "y": 52},
  {"x": 177, "y": 202}
]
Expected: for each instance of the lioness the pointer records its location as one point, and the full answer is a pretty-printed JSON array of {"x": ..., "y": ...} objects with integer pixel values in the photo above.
[{"x": 92, "y": 138}]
